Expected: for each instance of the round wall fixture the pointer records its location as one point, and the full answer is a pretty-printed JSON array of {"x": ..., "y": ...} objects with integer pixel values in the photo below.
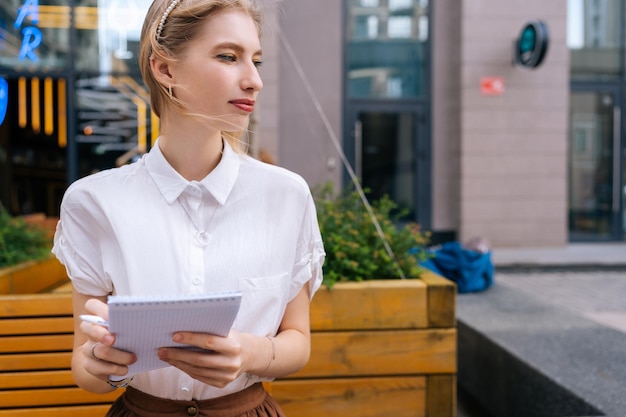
[{"x": 531, "y": 46}]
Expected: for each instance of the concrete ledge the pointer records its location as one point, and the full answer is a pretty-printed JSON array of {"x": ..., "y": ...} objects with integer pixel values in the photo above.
[
  {"x": 571, "y": 256},
  {"x": 519, "y": 356}
]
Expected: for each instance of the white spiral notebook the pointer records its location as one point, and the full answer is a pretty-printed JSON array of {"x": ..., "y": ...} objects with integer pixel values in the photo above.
[{"x": 144, "y": 324}]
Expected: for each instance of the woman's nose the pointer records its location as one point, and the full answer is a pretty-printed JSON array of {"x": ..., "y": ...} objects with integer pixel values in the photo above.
[{"x": 251, "y": 79}]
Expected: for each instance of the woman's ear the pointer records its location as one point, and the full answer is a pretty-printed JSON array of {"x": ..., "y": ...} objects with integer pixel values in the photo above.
[{"x": 161, "y": 71}]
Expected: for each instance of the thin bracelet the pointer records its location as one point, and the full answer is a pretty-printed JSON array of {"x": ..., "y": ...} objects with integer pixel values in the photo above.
[
  {"x": 271, "y": 339},
  {"x": 123, "y": 384}
]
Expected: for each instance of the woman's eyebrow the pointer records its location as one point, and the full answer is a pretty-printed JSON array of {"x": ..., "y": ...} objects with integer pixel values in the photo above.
[{"x": 235, "y": 47}]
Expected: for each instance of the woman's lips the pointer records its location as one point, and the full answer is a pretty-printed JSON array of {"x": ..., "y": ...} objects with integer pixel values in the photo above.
[{"x": 243, "y": 104}]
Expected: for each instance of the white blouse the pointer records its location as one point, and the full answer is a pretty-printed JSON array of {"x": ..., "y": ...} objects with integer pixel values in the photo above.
[{"x": 144, "y": 229}]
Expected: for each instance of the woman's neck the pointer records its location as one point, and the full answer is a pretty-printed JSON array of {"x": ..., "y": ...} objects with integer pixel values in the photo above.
[{"x": 191, "y": 149}]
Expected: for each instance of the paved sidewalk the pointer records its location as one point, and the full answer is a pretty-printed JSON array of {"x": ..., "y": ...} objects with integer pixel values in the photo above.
[
  {"x": 574, "y": 255},
  {"x": 533, "y": 308},
  {"x": 587, "y": 278},
  {"x": 596, "y": 295}
]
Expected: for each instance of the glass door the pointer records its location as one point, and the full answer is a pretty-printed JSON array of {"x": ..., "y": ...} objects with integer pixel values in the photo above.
[
  {"x": 596, "y": 166},
  {"x": 389, "y": 157},
  {"x": 387, "y": 99}
]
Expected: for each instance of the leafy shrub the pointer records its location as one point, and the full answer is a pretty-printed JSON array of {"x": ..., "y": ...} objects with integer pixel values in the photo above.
[
  {"x": 20, "y": 242},
  {"x": 354, "y": 249}
]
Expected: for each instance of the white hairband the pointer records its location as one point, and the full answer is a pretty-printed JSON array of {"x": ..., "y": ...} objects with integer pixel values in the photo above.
[{"x": 167, "y": 12}]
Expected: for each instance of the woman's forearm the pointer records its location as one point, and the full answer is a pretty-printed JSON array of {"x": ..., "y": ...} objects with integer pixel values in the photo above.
[{"x": 282, "y": 355}]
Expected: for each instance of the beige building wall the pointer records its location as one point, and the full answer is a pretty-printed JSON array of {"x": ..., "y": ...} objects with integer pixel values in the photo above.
[
  {"x": 499, "y": 162},
  {"x": 264, "y": 128},
  {"x": 513, "y": 147},
  {"x": 446, "y": 110},
  {"x": 310, "y": 91}
]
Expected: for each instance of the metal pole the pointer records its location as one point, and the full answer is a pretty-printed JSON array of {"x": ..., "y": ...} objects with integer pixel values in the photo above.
[{"x": 72, "y": 146}]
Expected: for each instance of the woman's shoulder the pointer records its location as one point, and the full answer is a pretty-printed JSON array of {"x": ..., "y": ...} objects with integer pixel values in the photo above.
[
  {"x": 274, "y": 177},
  {"x": 102, "y": 183}
]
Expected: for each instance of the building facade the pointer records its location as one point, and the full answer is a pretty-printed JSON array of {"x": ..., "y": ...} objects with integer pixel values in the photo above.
[{"x": 419, "y": 99}]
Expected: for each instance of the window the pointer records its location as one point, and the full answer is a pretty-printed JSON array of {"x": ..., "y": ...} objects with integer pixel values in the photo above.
[
  {"x": 386, "y": 48},
  {"x": 594, "y": 37},
  {"x": 109, "y": 36}
]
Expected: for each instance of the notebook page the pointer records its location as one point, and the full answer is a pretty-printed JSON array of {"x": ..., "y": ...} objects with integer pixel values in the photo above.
[{"x": 144, "y": 324}]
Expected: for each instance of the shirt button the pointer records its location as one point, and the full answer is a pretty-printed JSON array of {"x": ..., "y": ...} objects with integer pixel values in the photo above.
[
  {"x": 192, "y": 411},
  {"x": 196, "y": 280},
  {"x": 203, "y": 238}
]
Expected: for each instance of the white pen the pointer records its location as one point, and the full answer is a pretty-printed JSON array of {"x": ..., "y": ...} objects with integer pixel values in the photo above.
[{"x": 94, "y": 320}]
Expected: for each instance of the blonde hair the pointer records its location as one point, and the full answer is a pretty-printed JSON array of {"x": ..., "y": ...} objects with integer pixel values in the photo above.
[{"x": 165, "y": 35}]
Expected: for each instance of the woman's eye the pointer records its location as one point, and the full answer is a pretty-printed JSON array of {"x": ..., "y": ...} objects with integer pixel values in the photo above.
[
  {"x": 258, "y": 63},
  {"x": 228, "y": 58}
]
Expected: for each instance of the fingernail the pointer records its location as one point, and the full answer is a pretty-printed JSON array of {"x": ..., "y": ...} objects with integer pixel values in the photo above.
[
  {"x": 162, "y": 355},
  {"x": 177, "y": 337},
  {"x": 108, "y": 340}
]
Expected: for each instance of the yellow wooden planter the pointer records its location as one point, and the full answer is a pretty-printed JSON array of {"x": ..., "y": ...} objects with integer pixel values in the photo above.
[
  {"x": 379, "y": 348},
  {"x": 32, "y": 277}
]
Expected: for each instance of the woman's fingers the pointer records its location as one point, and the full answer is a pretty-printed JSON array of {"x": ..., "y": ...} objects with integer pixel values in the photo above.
[
  {"x": 208, "y": 367},
  {"x": 218, "y": 363},
  {"x": 104, "y": 360},
  {"x": 95, "y": 331},
  {"x": 101, "y": 352},
  {"x": 98, "y": 308},
  {"x": 98, "y": 333}
]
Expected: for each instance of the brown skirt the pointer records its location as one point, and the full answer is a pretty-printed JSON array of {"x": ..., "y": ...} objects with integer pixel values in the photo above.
[{"x": 250, "y": 402}]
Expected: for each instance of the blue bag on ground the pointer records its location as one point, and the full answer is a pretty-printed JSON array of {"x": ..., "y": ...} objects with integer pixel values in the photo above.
[{"x": 471, "y": 270}]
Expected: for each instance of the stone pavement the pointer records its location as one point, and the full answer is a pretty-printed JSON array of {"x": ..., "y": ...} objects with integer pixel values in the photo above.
[
  {"x": 597, "y": 295},
  {"x": 589, "y": 279},
  {"x": 549, "y": 338},
  {"x": 574, "y": 255}
]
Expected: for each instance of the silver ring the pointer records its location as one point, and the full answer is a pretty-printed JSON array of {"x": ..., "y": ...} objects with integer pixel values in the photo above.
[{"x": 92, "y": 353}]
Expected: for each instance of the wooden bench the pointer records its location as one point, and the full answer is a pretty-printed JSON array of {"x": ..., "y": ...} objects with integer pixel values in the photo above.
[
  {"x": 398, "y": 359},
  {"x": 35, "y": 354}
]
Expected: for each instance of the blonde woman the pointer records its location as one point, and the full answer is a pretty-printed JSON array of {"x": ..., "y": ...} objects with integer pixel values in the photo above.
[{"x": 196, "y": 215}]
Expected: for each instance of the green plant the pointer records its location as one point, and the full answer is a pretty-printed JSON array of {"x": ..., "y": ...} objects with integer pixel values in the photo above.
[
  {"x": 355, "y": 250},
  {"x": 20, "y": 241}
]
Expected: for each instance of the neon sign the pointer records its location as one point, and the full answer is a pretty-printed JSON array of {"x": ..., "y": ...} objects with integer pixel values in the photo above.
[
  {"x": 31, "y": 35},
  {"x": 4, "y": 99}
]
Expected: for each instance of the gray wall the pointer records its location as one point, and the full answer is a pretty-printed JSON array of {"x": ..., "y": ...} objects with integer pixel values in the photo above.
[
  {"x": 265, "y": 134},
  {"x": 446, "y": 110},
  {"x": 513, "y": 147},
  {"x": 313, "y": 31},
  {"x": 499, "y": 162}
]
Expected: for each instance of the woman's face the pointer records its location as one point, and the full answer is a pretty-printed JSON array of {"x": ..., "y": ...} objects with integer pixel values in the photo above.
[{"x": 217, "y": 76}]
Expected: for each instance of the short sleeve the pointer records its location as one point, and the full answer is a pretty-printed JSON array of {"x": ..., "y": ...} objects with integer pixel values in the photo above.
[
  {"x": 77, "y": 243},
  {"x": 309, "y": 254}
]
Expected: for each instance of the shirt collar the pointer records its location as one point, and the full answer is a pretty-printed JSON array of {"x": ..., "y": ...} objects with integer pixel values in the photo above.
[{"x": 219, "y": 182}]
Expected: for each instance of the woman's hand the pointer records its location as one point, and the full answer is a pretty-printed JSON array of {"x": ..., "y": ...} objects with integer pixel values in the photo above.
[
  {"x": 94, "y": 349},
  {"x": 223, "y": 359},
  {"x": 101, "y": 358}
]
